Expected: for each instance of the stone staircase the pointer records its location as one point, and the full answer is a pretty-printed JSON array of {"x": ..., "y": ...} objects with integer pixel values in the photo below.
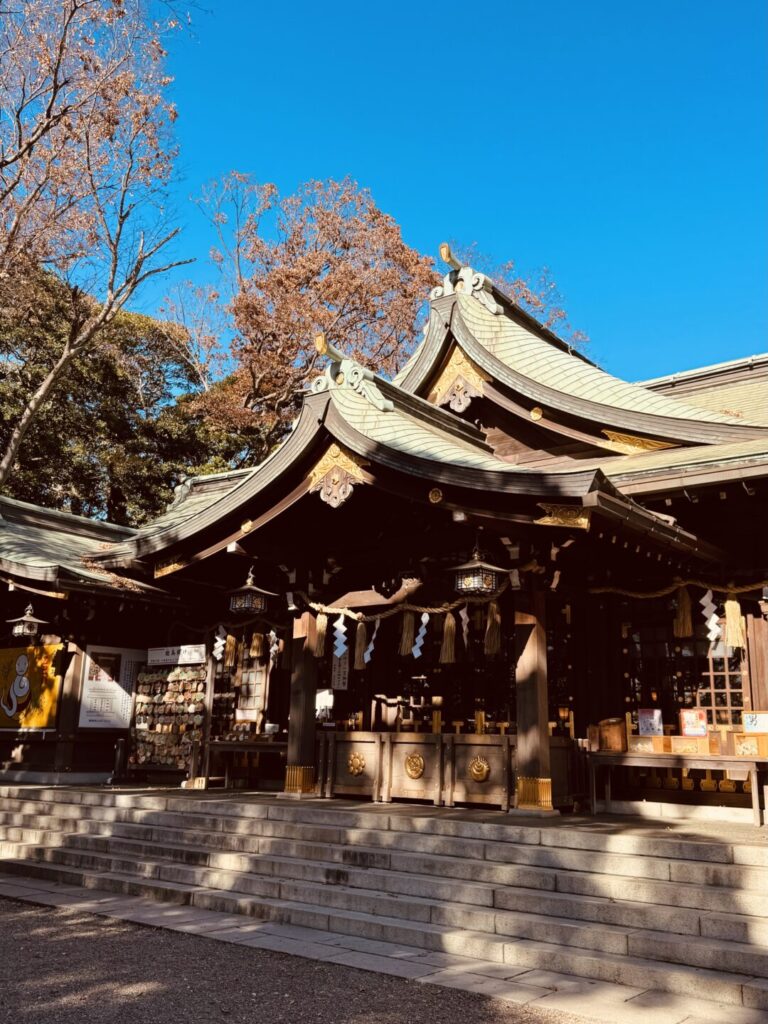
[{"x": 681, "y": 915}]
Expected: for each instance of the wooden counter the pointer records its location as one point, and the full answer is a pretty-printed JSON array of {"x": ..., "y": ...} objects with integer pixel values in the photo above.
[
  {"x": 707, "y": 762},
  {"x": 250, "y": 748}
]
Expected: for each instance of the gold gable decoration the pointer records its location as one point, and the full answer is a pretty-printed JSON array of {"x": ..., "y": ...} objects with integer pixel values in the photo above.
[
  {"x": 628, "y": 444},
  {"x": 336, "y": 474},
  {"x": 575, "y": 516},
  {"x": 459, "y": 382}
]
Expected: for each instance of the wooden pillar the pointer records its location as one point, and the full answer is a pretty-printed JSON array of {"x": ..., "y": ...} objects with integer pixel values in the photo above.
[
  {"x": 300, "y": 771},
  {"x": 533, "y": 779},
  {"x": 757, "y": 641},
  {"x": 69, "y": 707}
]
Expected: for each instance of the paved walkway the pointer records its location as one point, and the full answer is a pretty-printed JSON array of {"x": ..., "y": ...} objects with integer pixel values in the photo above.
[{"x": 518, "y": 994}]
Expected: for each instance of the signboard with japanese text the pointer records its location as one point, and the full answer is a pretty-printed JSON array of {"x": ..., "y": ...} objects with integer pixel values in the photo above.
[
  {"x": 186, "y": 654},
  {"x": 340, "y": 672}
]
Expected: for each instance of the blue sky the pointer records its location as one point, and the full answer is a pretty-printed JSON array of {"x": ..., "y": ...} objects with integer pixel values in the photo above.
[{"x": 622, "y": 145}]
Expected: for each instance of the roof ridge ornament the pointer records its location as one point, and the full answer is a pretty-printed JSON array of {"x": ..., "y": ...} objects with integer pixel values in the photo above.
[
  {"x": 345, "y": 372},
  {"x": 466, "y": 280}
]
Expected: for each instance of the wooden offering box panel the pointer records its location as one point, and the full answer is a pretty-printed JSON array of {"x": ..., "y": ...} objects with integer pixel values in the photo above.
[
  {"x": 435, "y": 768},
  {"x": 479, "y": 770},
  {"x": 750, "y": 744},
  {"x": 413, "y": 767},
  {"x": 353, "y": 764}
]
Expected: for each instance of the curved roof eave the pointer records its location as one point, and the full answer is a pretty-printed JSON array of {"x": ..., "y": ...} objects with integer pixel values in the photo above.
[
  {"x": 505, "y": 480},
  {"x": 290, "y": 451},
  {"x": 695, "y": 429},
  {"x": 686, "y": 425}
]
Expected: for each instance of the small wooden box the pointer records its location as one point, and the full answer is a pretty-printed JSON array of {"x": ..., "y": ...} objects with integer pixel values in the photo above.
[
  {"x": 641, "y": 744},
  {"x": 694, "y": 745},
  {"x": 662, "y": 744},
  {"x": 613, "y": 735},
  {"x": 747, "y": 744},
  {"x": 593, "y": 738}
]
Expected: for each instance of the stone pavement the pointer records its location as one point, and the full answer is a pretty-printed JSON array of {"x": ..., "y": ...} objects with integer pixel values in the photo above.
[{"x": 547, "y": 990}]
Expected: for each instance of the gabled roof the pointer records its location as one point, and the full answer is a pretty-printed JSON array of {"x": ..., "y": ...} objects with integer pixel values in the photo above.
[
  {"x": 531, "y": 364},
  {"x": 738, "y": 387},
  {"x": 56, "y": 548}
]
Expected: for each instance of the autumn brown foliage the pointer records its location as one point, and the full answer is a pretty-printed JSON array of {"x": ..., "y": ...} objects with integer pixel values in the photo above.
[
  {"x": 85, "y": 158},
  {"x": 323, "y": 259}
]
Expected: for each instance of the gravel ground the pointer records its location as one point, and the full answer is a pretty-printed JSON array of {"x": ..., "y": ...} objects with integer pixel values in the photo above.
[{"x": 68, "y": 967}]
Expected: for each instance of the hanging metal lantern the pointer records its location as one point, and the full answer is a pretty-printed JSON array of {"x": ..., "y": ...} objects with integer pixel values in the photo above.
[
  {"x": 26, "y": 625},
  {"x": 249, "y": 599},
  {"x": 477, "y": 577}
]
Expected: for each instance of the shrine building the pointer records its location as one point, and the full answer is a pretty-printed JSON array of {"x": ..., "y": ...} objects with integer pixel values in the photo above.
[{"x": 504, "y": 578}]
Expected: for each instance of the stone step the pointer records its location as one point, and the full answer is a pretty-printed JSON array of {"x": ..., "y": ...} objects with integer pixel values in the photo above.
[
  {"x": 734, "y": 927},
  {"x": 741, "y": 877},
  {"x": 575, "y": 883},
  {"x": 669, "y": 894},
  {"x": 370, "y": 857},
  {"x": 714, "y": 985},
  {"x": 566, "y": 836},
  {"x": 157, "y": 862},
  {"x": 717, "y": 986},
  {"x": 201, "y": 869}
]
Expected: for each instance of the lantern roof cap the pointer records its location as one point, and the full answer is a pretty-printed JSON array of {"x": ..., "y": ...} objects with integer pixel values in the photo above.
[
  {"x": 476, "y": 562},
  {"x": 250, "y": 585},
  {"x": 28, "y": 616}
]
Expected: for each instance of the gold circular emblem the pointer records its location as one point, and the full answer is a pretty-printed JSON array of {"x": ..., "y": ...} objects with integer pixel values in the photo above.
[
  {"x": 536, "y": 412},
  {"x": 355, "y": 764},
  {"x": 414, "y": 766},
  {"x": 479, "y": 769},
  {"x": 246, "y": 526},
  {"x": 435, "y": 495}
]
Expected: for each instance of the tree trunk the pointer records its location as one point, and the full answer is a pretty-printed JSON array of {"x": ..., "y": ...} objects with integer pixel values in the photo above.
[{"x": 31, "y": 410}]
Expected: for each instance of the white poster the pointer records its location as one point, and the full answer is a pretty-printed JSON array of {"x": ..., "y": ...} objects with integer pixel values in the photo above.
[{"x": 106, "y": 695}]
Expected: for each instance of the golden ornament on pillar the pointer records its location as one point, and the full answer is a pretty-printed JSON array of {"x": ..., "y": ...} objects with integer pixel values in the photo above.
[
  {"x": 355, "y": 763},
  {"x": 479, "y": 769},
  {"x": 414, "y": 766}
]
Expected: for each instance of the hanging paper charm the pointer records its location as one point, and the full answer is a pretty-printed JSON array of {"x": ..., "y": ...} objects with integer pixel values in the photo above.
[
  {"x": 369, "y": 649},
  {"x": 219, "y": 642},
  {"x": 709, "y": 610},
  {"x": 464, "y": 616},
  {"x": 420, "y": 636},
  {"x": 274, "y": 645},
  {"x": 339, "y": 637}
]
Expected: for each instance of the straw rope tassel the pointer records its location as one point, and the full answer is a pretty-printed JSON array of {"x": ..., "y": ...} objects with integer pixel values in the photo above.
[
  {"x": 230, "y": 651},
  {"x": 493, "y": 629},
  {"x": 734, "y": 634},
  {"x": 257, "y": 645},
  {"x": 321, "y": 629},
  {"x": 448, "y": 647},
  {"x": 683, "y": 624},
  {"x": 361, "y": 642},
  {"x": 407, "y": 637}
]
